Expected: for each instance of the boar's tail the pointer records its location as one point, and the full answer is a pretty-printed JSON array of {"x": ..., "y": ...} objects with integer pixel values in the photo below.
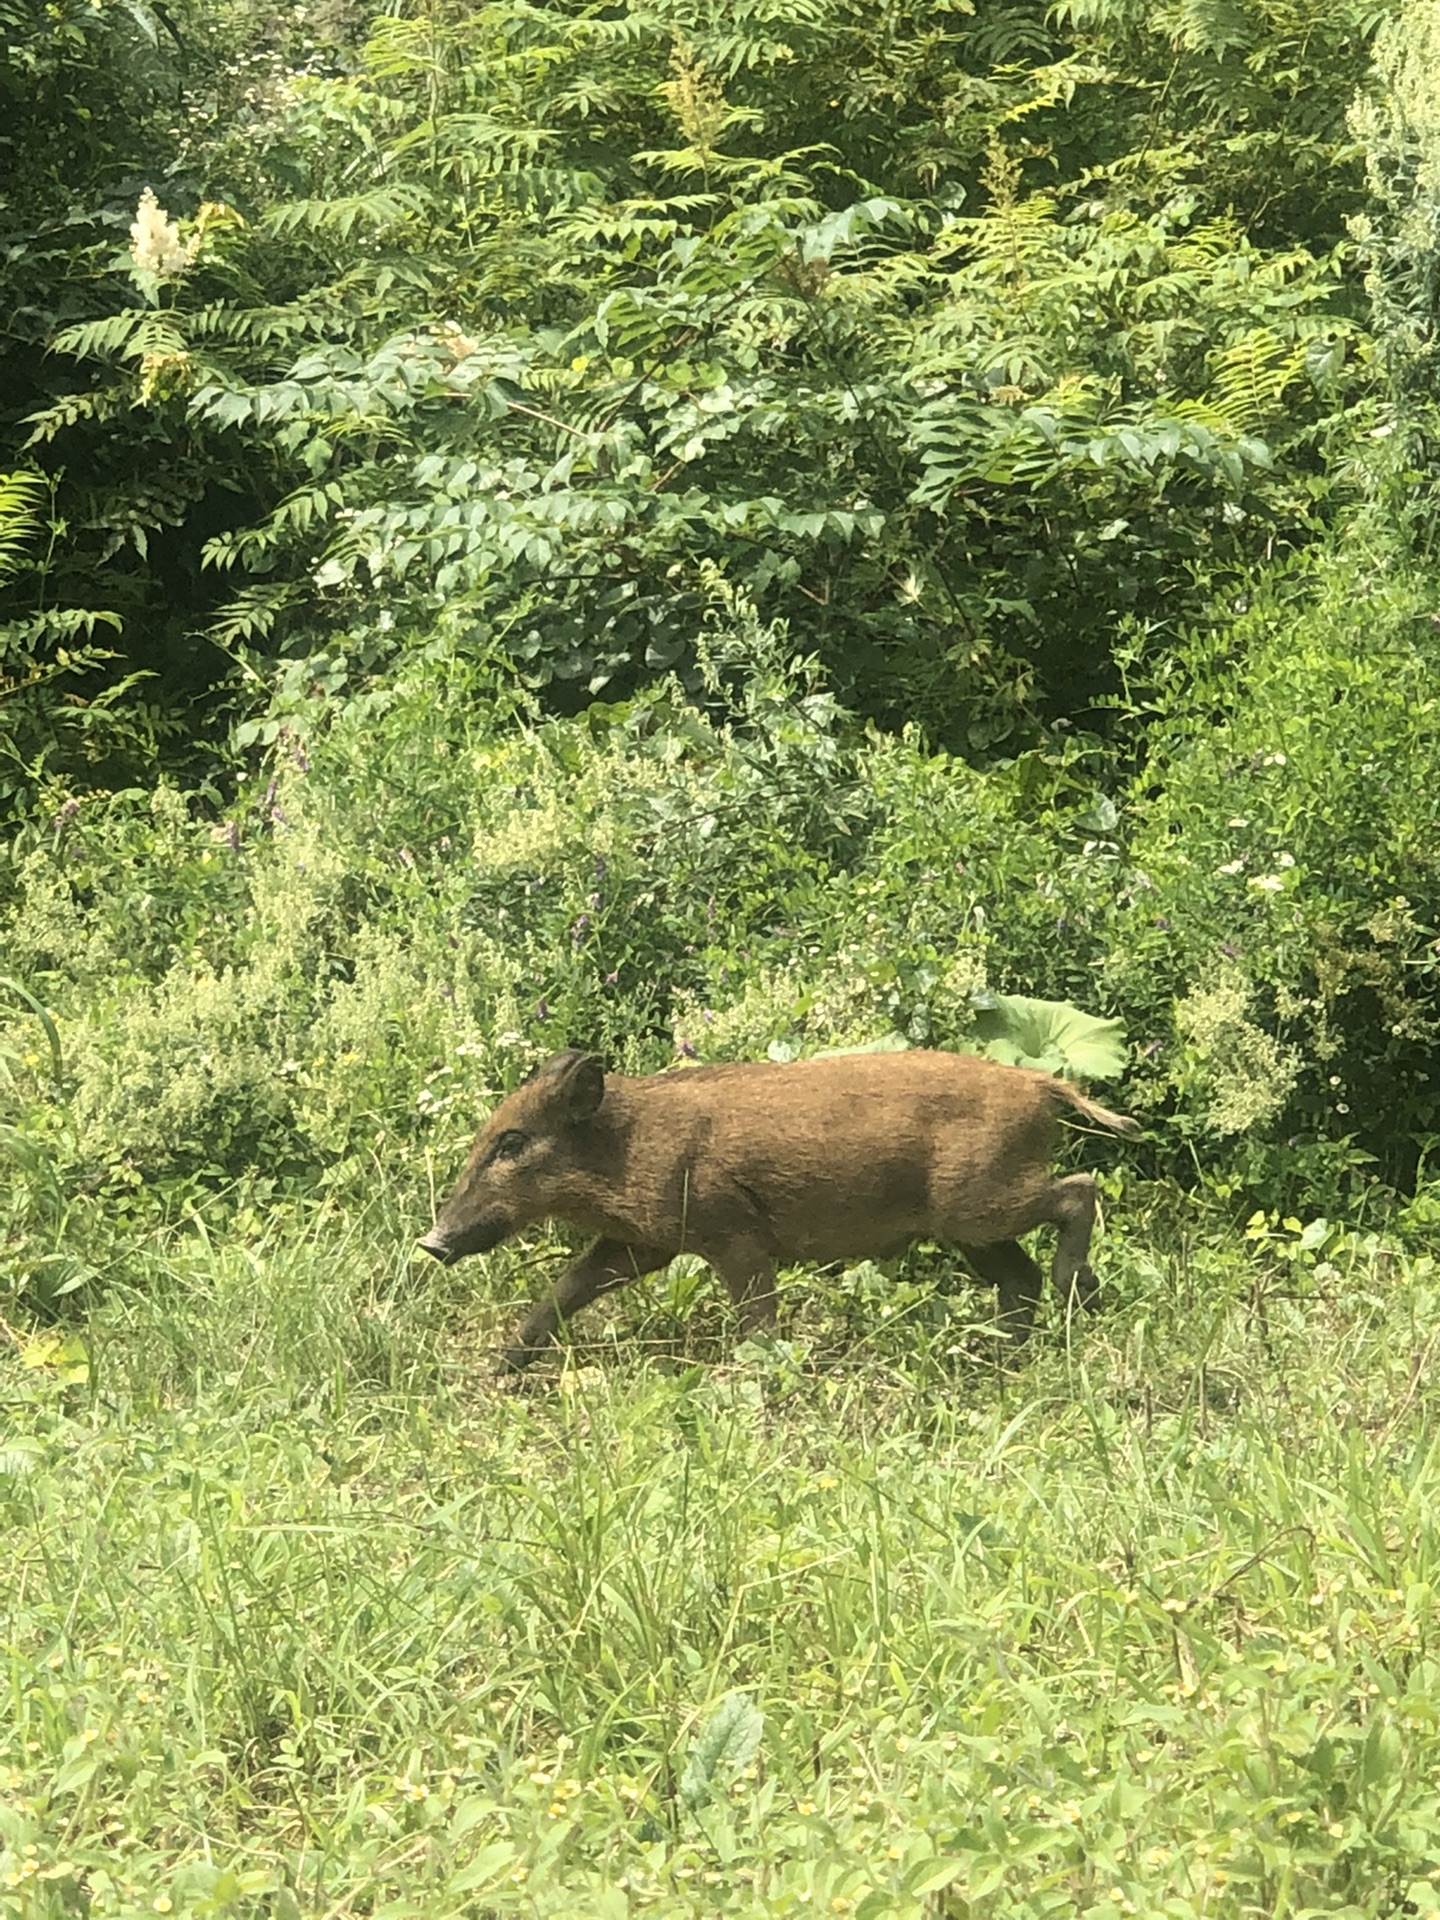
[{"x": 1092, "y": 1110}]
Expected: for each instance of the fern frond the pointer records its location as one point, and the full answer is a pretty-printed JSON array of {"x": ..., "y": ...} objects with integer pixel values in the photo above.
[
  {"x": 305, "y": 508},
  {"x": 1214, "y": 27},
  {"x": 1250, "y": 378},
  {"x": 21, "y": 495},
  {"x": 474, "y": 143},
  {"x": 69, "y": 623},
  {"x": 100, "y": 404},
  {"x": 252, "y": 614},
  {"x": 96, "y": 338},
  {"x": 342, "y": 216},
  {"x": 257, "y": 326}
]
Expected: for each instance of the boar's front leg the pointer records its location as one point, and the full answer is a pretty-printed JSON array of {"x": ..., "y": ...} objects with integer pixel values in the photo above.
[
  {"x": 748, "y": 1270},
  {"x": 602, "y": 1268}
]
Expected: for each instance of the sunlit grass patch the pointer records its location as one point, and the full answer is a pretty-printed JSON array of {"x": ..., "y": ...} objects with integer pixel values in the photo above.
[{"x": 313, "y": 1618}]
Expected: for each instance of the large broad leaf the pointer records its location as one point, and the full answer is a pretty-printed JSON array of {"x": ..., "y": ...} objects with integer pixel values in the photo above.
[
  {"x": 1049, "y": 1034},
  {"x": 723, "y": 1748}
]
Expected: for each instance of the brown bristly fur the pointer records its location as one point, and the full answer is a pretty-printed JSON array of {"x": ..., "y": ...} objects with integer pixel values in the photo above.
[{"x": 757, "y": 1166}]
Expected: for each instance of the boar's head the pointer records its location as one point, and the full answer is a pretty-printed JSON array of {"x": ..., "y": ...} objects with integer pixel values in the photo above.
[{"x": 518, "y": 1168}]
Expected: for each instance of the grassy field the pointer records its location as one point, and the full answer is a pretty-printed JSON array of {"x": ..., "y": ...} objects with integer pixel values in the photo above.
[{"x": 303, "y": 1614}]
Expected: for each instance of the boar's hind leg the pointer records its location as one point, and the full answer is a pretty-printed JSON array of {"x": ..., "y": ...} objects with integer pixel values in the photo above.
[
  {"x": 1016, "y": 1279},
  {"x": 605, "y": 1266},
  {"x": 1071, "y": 1205}
]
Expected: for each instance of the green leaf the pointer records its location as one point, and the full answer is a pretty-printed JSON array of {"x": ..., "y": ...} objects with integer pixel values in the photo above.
[
  {"x": 1049, "y": 1034},
  {"x": 21, "y": 495},
  {"x": 931, "y": 1875},
  {"x": 724, "y": 1747},
  {"x": 20, "y": 1453},
  {"x": 61, "y": 1354},
  {"x": 486, "y": 1866},
  {"x": 43, "y": 1015},
  {"x": 77, "y": 1774},
  {"x": 1380, "y": 1755}
]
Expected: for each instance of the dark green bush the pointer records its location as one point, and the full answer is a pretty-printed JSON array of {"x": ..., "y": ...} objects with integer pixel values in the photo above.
[{"x": 964, "y": 341}]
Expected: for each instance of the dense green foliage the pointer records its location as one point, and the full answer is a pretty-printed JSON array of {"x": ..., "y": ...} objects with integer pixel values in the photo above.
[
  {"x": 956, "y": 337},
  {"x": 708, "y": 533}
]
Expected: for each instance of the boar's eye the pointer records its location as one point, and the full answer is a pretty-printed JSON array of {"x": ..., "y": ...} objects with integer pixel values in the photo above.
[{"x": 509, "y": 1146}]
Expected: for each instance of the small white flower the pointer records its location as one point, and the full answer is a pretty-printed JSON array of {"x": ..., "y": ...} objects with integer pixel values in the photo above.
[
  {"x": 155, "y": 243},
  {"x": 1232, "y": 866},
  {"x": 1284, "y": 859},
  {"x": 1273, "y": 760},
  {"x": 1268, "y": 883}
]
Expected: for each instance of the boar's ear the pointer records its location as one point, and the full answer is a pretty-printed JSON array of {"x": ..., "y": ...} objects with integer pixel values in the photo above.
[{"x": 577, "y": 1083}]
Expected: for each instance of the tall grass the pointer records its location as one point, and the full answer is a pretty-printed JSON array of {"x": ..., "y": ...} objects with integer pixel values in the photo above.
[{"x": 302, "y": 1614}]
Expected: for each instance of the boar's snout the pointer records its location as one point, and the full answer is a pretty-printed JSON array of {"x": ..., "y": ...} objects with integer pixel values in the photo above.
[{"x": 479, "y": 1237}]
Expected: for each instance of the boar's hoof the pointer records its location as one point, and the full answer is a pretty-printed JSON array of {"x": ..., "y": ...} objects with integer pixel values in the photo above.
[
  {"x": 534, "y": 1336},
  {"x": 1083, "y": 1289},
  {"x": 517, "y": 1359}
]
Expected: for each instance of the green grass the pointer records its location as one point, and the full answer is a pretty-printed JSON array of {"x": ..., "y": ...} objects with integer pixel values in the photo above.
[{"x": 302, "y": 1614}]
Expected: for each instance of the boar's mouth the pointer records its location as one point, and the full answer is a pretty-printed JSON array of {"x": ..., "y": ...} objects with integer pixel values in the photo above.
[{"x": 479, "y": 1237}]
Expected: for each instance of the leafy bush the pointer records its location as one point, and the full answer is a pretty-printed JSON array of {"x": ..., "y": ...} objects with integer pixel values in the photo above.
[
  {"x": 951, "y": 339},
  {"x": 1283, "y": 836}
]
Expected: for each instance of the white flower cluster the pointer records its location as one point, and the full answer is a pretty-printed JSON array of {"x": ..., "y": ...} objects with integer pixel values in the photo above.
[{"x": 155, "y": 243}]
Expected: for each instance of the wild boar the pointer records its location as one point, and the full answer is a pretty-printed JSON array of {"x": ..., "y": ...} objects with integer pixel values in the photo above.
[{"x": 752, "y": 1167}]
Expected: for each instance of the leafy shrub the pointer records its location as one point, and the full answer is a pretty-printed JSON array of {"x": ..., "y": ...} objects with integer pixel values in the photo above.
[
  {"x": 1284, "y": 826},
  {"x": 1246, "y": 1075},
  {"x": 949, "y": 338}
]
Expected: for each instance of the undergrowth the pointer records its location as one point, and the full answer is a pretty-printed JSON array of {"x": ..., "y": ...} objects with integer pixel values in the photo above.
[{"x": 304, "y": 1614}]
